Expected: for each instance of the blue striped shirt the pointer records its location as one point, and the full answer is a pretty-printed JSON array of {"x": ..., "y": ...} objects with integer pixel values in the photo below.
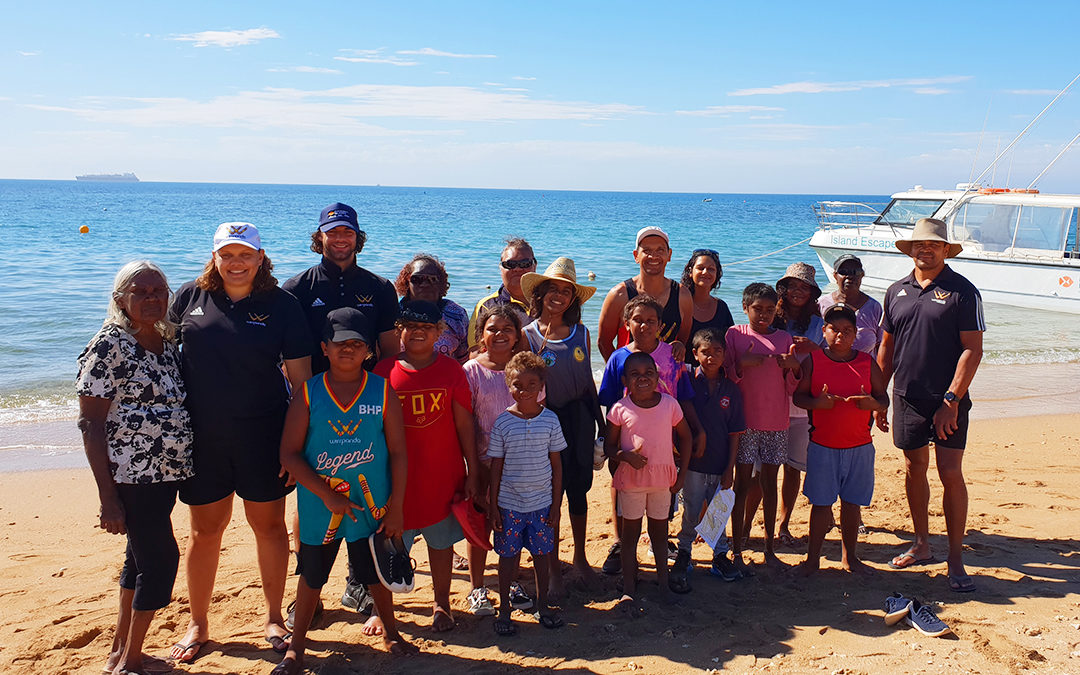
[{"x": 524, "y": 446}]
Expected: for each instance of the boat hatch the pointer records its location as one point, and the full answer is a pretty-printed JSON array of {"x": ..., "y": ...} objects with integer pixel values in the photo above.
[
  {"x": 904, "y": 212},
  {"x": 1012, "y": 227}
]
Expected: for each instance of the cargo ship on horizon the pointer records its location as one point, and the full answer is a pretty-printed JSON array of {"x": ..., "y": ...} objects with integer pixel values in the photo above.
[{"x": 110, "y": 177}]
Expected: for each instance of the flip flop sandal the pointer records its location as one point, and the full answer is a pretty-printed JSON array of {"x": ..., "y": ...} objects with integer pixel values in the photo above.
[
  {"x": 550, "y": 621},
  {"x": 505, "y": 627},
  {"x": 787, "y": 540},
  {"x": 279, "y": 643},
  {"x": 193, "y": 647},
  {"x": 286, "y": 667},
  {"x": 961, "y": 584},
  {"x": 908, "y": 559}
]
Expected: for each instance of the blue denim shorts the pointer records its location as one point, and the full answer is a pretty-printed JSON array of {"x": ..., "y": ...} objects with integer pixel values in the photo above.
[{"x": 847, "y": 474}]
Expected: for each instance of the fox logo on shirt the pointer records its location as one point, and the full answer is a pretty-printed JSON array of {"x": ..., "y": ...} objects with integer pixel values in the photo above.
[{"x": 423, "y": 407}]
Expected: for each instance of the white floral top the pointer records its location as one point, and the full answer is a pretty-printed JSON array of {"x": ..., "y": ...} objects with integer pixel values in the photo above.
[{"x": 148, "y": 429}]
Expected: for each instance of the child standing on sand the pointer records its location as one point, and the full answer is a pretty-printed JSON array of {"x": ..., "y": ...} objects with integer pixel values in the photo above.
[
  {"x": 638, "y": 440},
  {"x": 500, "y": 328},
  {"x": 437, "y": 408},
  {"x": 562, "y": 341},
  {"x": 526, "y": 486},
  {"x": 840, "y": 457},
  {"x": 719, "y": 407},
  {"x": 760, "y": 359},
  {"x": 344, "y": 443}
]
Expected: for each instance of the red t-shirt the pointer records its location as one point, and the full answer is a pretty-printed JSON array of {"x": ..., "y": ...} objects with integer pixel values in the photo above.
[
  {"x": 843, "y": 426},
  {"x": 436, "y": 465}
]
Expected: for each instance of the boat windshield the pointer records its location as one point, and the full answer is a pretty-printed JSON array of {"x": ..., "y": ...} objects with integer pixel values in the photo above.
[
  {"x": 907, "y": 211},
  {"x": 998, "y": 227}
]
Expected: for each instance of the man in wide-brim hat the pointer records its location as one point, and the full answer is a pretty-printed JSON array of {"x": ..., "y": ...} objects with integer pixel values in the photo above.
[{"x": 932, "y": 336}]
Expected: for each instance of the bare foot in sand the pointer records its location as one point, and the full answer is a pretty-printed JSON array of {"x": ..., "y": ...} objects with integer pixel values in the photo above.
[
  {"x": 556, "y": 588},
  {"x": 399, "y": 646},
  {"x": 441, "y": 620},
  {"x": 805, "y": 569},
  {"x": 373, "y": 626},
  {"x": 586, "y": 574},
  {"x": 856, "y": 566},
  {"x": 147, "y": 664},
  {"x": 772, "y": 561}
]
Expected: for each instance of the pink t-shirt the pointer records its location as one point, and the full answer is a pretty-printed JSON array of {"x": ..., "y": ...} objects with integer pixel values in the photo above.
[
  {"x": 651, "y": 429},
  {"x": 490, "y": 398},
  {"x": 767, "y": 388}
]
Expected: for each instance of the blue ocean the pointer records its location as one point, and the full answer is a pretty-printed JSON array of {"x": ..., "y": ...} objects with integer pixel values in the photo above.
[{"x": 54, "y": 281}]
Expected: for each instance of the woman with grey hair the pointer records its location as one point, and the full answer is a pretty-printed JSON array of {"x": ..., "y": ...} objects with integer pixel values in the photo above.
[{"x": 137, "y": 438}]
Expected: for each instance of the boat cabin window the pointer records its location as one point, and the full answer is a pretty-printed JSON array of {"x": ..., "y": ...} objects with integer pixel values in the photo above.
[
  {"x": 907, "y": 211},
  {"x": 998, "y": 227}
]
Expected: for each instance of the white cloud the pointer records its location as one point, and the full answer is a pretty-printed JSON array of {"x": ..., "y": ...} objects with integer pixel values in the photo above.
[
  {"x": 931, "y": 91},
  {"x": 373, "y": 56},
  {"x": 522, "y": 77},
  {"x": 428, "y": 51},
  {"x": 1032, "y": 92},
  {"x": 227, "y": 38},
  {"x": 304, "y": 69},
  {"x": 492, "y": 84},
  {"x": 22, "y": 53},
  {"x": 514, "y": 89},
  {"x": 728, "y": 110},
  {"x": 337, "y": 110},
  {"x": 857, "y": 85}
]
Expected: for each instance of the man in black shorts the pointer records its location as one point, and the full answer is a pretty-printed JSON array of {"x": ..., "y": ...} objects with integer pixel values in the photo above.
[
  {"x": 932, "y": 344},
  {"x": 336, "y": 282}
]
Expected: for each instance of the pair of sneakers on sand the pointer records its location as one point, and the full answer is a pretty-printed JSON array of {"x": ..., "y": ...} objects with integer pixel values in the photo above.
[{"x": 915, "y": 614}]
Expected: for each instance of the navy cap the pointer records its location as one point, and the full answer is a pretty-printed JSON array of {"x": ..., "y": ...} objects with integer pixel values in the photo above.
[
  {"x": 347, "y": 323},
  {"x": 847, "y": 257},
  {"x": 338, "y": 214},
  {"x": 840, "y": 310},
  {"x": 420, "y": 311}
]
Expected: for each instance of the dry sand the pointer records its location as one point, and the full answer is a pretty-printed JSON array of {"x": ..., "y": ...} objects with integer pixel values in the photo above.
[{"x": 57, "y": 584}]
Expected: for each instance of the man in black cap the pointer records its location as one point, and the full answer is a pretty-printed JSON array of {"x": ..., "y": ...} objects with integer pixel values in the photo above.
[
  {"x": 338, "y": 282},
  {"x": 932, "y": 344}
]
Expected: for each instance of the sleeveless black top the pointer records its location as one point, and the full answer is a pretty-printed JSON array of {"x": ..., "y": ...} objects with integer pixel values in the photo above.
[{"x": 670, "y": 319}]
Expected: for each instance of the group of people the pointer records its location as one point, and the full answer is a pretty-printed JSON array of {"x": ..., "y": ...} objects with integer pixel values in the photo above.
[{"x": 399, "y": 416}]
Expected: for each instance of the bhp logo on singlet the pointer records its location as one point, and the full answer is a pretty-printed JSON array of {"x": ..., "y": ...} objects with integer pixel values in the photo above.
[{"x": 423, "y": 407}]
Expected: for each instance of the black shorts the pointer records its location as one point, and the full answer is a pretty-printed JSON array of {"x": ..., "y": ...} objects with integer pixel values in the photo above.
[
  {"x": 244, "y": 460},
  {"x": 316, "y": 562},
  {"x": 579, "y": 431},
  {"x": 913, "y": 423}
]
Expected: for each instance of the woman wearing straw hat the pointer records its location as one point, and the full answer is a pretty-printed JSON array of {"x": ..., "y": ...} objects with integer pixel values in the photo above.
[{"x": 559, "y": 337}]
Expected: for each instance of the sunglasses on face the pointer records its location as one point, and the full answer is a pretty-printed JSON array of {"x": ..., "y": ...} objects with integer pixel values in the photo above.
[
  {"x": 423, "y": 279},
  {"x": 849, "y": 272},
  {"x": 518, "y": 264}
]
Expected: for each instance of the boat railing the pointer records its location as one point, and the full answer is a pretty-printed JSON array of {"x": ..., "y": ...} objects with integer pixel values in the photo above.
[{"x": 833, "y": 215}]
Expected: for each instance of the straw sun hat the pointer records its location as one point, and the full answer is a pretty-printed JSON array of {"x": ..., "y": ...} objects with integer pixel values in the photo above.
[
  {"x": 929, "y": 229},
  {"x": 562, "y": 269}
]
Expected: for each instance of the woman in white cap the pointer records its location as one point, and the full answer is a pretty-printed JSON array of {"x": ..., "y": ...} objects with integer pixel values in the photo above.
[
  {"x": 236, "y": 327},
  {"x": 558, "y": 336}
]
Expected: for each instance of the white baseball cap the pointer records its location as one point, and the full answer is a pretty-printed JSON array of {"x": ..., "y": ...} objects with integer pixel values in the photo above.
[
  {"x": 650, "y": 231},
  {"x": 244, "y": 234}
]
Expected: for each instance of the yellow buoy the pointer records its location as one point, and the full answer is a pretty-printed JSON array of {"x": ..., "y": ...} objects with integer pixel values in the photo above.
[{"x": 84, "y": 229}]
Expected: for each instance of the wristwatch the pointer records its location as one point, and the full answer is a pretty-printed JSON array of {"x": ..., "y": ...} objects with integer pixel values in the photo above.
[{"x": 950, "y": 397}]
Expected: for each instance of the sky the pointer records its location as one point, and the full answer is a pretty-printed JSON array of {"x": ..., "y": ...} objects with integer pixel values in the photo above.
[{"x": 720, "y": 97}]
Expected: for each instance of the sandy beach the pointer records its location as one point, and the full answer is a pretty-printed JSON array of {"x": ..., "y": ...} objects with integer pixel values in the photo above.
[{"x": 57, "y": 579}]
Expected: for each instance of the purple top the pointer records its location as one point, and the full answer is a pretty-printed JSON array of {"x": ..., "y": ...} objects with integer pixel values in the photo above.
[
  {"x": 490, "y": 397},
  {"x": 867, "y": 322}
]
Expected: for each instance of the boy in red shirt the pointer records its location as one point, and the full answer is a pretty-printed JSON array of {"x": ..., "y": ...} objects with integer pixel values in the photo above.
[
  {"x": 437, "y": 407},
  {"x": 840, "y": 456}
]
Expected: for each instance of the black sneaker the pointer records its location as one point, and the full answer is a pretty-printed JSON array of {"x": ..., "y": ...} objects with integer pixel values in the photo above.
[
  {"x": 724, "y": 568},
  {"x": 613, "y": 563},
  {"x": 519, "y": 599},
  {"x": 682, "y": 563},
  {"x": 392, "y": 563},
  {"x": 357, "y": 598}
]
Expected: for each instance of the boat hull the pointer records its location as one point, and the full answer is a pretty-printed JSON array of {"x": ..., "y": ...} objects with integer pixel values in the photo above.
[{"x": 1052, "y": 285}]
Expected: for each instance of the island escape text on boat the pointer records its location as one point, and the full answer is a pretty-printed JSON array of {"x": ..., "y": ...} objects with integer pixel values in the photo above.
[{"x": 1020, "y": 247}]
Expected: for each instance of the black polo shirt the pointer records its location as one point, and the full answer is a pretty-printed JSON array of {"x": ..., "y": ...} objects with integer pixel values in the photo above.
[
  {"x": 232, "y": 354},
  {"x": 325, "y": 287},
  {"x": 926, "y": 324}
]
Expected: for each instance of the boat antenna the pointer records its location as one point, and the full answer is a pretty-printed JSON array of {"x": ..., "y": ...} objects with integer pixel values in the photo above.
[
  {"x": 978, "y": 147},
  {"x": 1053, "y": 161},
  {"x": 1010, "y": 145}
]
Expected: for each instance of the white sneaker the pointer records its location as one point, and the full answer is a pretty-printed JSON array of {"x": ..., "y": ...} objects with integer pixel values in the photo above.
[{"x": 479, "y": 604}]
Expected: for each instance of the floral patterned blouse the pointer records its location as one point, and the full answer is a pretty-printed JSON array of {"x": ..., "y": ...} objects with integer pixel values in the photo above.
[{"x": 148, "y": 430}]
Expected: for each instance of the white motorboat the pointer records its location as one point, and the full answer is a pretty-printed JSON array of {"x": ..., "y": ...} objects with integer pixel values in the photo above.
[{"x": 1020, "y": 246}]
